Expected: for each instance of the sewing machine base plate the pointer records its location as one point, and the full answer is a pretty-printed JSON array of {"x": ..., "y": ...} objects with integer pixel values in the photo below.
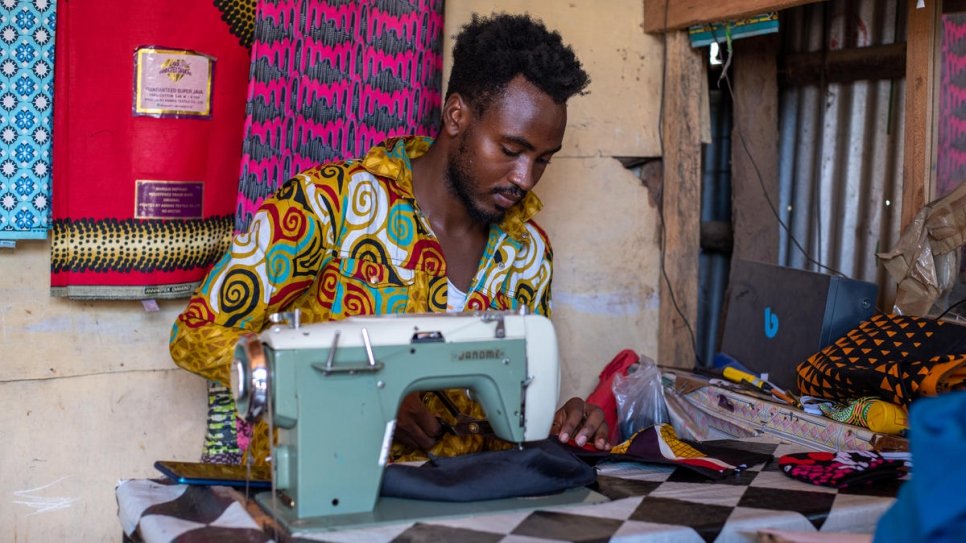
[{"x": 398, "y": 510}]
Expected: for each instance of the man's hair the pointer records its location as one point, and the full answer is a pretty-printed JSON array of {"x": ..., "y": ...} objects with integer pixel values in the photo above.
[{"x": 491, "y": 51}]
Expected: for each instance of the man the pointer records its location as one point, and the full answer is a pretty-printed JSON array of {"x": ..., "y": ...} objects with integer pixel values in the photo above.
[{"x": 414, "y": 226}]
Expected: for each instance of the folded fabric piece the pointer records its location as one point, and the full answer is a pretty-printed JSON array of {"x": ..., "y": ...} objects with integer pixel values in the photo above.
[
  {"x": 930, "y": 506},
  {"x": 541, "y": 468},
  {"x": 872, "y": 413},
  {"x": 841, "y": 469},
  {"x": 894, "y": 357},
  {"x": 660, "y": 445}
]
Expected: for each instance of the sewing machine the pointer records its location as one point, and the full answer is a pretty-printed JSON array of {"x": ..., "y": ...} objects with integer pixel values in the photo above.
[{"x": 333, "y": 390}]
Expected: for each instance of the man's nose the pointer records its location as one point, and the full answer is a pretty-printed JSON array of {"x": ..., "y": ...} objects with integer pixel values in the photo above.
[{"x": 524, "y": 175}]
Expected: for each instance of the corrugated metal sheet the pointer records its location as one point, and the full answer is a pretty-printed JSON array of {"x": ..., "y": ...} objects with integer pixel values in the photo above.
[
  {"x": 840, "y": 151},
  {"x": 840, "y": 158}
]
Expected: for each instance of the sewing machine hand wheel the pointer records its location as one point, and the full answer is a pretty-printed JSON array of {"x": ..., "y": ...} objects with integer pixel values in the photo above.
[{"x": 249, "y": 377}]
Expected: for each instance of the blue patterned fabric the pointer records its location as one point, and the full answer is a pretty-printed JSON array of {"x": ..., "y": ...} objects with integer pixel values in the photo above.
[{"x": 26, "y": 116}]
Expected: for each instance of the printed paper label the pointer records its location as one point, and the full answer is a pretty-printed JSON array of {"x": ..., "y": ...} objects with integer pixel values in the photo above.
[
  {"x": 168, "y": 199},
  {"x": 172, "y": 83}
]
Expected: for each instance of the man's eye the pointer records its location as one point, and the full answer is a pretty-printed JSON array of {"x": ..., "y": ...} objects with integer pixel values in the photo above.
[
  {"x": 544, "y": 160},
  {"x": 509, "y": 152}
]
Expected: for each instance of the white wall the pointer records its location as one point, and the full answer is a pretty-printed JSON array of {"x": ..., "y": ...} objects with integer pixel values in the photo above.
[{"x": 88, "y": 394}]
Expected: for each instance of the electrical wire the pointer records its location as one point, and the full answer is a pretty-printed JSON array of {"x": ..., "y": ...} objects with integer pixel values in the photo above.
[
  {"x": 744, "y": 145},
  {"x": 950, "y": 308},
  {"x": 771, "y": 205}
]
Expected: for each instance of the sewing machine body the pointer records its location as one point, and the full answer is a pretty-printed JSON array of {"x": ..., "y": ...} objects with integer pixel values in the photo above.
[{"x": 335, "y": 389}]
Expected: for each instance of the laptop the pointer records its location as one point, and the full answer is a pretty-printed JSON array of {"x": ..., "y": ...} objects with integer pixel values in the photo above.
[{"x": 776, "y": 317}]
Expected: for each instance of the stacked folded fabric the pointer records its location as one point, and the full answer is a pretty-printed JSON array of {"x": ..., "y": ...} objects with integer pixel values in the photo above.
[{"x": 894, "y": 357}]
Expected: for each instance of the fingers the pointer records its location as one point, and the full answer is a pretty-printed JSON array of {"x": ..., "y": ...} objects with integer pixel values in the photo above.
[
  {"x": 584, "y": 421},
  {"x": 567, "y": 418},
  {"x": 602, "y": 432},
  {"x": 416, "y": 426}
]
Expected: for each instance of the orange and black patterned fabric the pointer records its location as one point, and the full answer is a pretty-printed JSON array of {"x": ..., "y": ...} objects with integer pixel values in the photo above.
[{"x": 897, "y": 358}]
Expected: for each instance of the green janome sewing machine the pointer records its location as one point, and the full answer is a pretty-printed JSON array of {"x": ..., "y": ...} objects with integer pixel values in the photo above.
[{"x": 333, "y": 390}]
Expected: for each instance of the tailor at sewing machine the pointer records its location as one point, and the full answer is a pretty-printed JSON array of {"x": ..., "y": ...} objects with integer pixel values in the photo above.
[{"x": 328, "y": 462}]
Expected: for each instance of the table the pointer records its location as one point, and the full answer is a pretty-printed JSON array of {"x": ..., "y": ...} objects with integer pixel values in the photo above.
[{"x": 649, "y": 502}]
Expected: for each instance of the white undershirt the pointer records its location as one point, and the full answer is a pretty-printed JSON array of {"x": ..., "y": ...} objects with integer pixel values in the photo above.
[{"x": 455, "y": 298}]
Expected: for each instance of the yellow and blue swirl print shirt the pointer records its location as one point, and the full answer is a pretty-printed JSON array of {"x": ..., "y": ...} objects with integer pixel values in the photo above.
[{"x": 341, "y": 240}]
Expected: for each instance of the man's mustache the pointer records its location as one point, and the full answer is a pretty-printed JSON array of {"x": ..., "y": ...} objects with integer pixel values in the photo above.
[{"x": 514, "y": 193}]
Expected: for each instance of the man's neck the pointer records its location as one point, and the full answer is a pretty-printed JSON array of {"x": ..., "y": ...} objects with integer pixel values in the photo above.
[
  {"x": 445, "y": 212},
  {"x": 461, "y": 238}
]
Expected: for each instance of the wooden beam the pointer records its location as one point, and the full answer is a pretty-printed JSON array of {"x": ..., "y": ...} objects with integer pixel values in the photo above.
[
  {"x": 919, "y": 144},
  {"x": 681, "y": 200},
  {"x": 845, "y": 65},
  {"x": 684, "y": 13},
  {"x": 754, "y": 150}
]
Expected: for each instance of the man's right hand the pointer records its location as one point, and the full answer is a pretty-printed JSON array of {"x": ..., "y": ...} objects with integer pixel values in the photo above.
[{"x": 416, "y": 426}]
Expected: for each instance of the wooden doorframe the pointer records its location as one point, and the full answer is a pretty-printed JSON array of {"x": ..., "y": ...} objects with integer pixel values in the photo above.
[{"x": 684, "y": 91}]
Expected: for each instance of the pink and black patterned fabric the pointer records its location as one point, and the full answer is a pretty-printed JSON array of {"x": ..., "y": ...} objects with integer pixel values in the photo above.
[
  {"x": 841, "y": 469},
  {"x": 329, "y": 79}
]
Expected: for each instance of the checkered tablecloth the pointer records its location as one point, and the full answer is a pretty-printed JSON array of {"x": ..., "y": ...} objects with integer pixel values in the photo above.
[{"x": 649, "y": 502}]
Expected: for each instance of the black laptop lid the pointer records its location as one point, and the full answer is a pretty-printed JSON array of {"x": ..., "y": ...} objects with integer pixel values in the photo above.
[{"x": 776, "y": 317}]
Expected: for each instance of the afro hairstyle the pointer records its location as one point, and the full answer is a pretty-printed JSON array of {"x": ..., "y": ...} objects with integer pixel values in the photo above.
[{"x": 491, "y": 51}]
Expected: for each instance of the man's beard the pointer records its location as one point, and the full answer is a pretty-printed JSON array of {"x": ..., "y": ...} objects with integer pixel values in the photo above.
[{"x": 461, "y": 183}]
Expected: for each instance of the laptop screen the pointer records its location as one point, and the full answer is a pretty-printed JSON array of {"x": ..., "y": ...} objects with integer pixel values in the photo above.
[{"x": 776, "y": 317}]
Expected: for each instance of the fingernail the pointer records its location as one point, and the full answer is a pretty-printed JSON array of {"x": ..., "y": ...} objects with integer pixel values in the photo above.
[
  {"x": 564, "y": 437},
  {"x": 581, "y": 440}
]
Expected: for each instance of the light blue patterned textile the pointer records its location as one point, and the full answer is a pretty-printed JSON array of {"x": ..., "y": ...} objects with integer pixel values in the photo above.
[{"x": 26, "y": 116}]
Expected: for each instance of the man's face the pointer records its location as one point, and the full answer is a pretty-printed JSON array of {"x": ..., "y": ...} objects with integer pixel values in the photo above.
[{"x": 503, "y": 153}]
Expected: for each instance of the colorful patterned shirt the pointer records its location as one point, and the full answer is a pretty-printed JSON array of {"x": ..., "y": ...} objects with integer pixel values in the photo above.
[{"x": 348, "y": 239}]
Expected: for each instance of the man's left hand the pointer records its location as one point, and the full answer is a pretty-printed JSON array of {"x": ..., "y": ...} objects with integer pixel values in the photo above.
[{"x": 586, "y": 419}]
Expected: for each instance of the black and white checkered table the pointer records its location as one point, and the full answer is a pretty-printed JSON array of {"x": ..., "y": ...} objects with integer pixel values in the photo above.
[{"x": 649, "y": 502}]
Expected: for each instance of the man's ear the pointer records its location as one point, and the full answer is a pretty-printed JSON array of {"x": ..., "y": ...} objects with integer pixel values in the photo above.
[{"x": 456, "y": 114}]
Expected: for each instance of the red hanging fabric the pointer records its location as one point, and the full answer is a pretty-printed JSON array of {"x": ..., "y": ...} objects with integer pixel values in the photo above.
[{"x": 148, "y": 116}]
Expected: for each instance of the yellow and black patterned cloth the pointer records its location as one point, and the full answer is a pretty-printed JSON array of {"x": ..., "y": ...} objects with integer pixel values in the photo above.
[
  {"x": 894, "y": 357},
  {"x": 348, "y": 239}
]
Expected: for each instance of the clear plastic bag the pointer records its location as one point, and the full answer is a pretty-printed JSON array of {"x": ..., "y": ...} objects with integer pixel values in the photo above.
[{"x": 640, "y": 398}]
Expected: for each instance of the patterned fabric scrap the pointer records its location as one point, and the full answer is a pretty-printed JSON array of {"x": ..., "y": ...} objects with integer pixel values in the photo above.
[
  {"x": 868, "y": 412},
  {"x": 26, "y": 96},
  {"x": 659, "y": 444},
  {"x": 224, "y": 436},
  {"x": 894, "y": 357},
  {"x": 841, "y": 469}
]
